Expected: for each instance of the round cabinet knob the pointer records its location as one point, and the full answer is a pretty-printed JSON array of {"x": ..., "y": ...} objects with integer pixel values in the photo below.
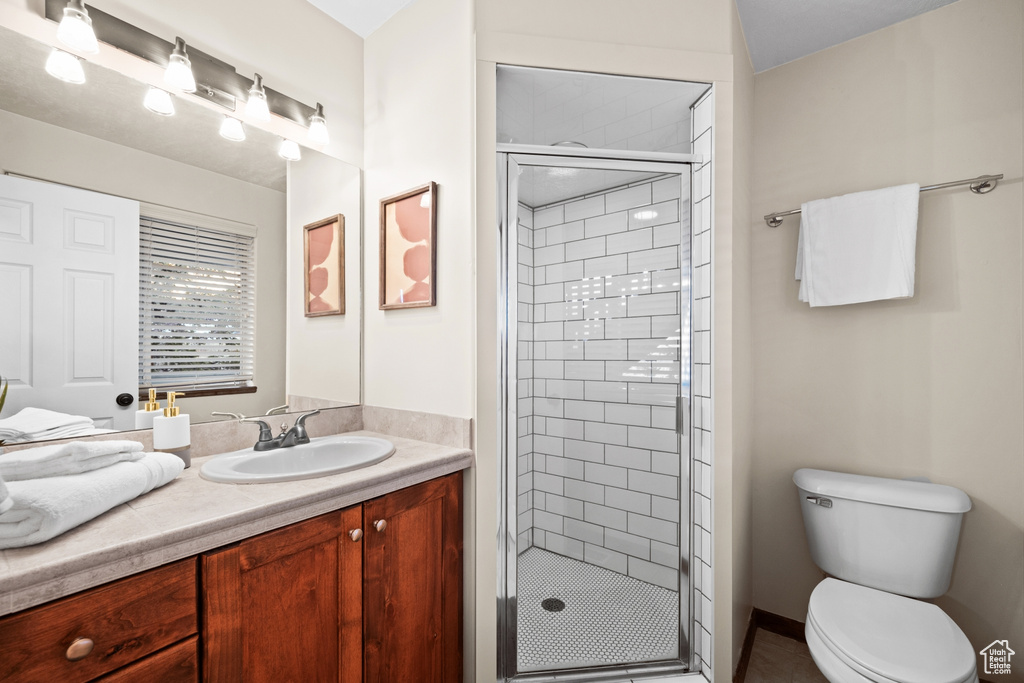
[
  {"x": 380, "y": 525},
  {"x": 79, "y": 649},
  {"x": 124, "y": 400},
  {"x": 355, "y": 534}
]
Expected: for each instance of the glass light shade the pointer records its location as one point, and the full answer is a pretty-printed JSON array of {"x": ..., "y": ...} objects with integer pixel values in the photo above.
[
  {"x": 232, "y": 129},
  {"x": 75, "y": 29},
  {"x": 179, "y": 69},
  {"x": 159, "y": 102},
  {"x": 318, "y": 134},
  {"x": 65, "y": 66},
  {"x": 318, "y": 131},
  {"x": 289, "y": 150},
  {"x": 256, "y": 106}
]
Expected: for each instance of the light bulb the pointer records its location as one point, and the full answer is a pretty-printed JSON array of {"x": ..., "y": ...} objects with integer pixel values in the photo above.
[
  {"x": 289, "y": 150},
  {"x": 75, "y": 29},
  {"x": 231, "y": 128},
  {"x": 179, "y": 69},
  {"x": 65, "y": 66},
  {"x": 318, "y": 134},
  {"x": 256, "y": 106},
  {"x": 159, "y": 102}
]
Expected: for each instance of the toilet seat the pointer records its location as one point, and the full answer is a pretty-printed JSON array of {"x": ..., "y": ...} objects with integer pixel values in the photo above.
[{"x": 877, "y": 636}]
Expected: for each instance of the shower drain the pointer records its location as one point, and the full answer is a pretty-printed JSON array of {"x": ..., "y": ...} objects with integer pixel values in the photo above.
[{"x": 552, "y": 604}]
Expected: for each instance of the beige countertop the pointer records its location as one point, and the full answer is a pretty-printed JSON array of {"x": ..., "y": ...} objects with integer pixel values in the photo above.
[{"x": 191, "y": 515}]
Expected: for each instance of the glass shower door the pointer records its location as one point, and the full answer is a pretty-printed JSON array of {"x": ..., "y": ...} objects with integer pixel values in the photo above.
[{"x": 597, "y": 447}]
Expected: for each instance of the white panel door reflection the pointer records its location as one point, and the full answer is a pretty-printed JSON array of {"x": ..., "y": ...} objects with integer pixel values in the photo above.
[{"x": 70, "y": 258}]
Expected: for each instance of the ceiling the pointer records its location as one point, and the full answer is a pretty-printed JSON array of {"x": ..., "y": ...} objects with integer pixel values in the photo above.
[
  {"x": 362, "y": 17},
  {"x": 776, "y": 31},
  {"x": 109, "y": 106},
  {"x": 780, "y": 31}
]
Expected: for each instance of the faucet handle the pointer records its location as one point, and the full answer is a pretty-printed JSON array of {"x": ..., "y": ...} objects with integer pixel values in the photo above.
[
  {"x": 266, "y": 434},
  {"x": 278, "y": 409},
  {"x": 236, "y": 416},
  {"x": 299, "y": 428}
]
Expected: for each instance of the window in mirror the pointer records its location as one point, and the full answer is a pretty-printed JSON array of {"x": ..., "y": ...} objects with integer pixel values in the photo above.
[{"x": 197, "y": 304}]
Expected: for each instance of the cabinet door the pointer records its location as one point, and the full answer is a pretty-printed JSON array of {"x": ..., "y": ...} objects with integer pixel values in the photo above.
[
  {"x": 286, "y": 605},
  {"x": 413, "y": 584}
]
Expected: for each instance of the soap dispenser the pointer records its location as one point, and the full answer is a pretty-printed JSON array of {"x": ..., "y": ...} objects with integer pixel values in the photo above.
[
  {"x": 144, "y": 417},
  {"x": 171, "y": 432}
]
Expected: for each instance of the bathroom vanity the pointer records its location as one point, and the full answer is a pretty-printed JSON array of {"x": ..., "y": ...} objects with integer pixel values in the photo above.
[{"x": 370, "y": 590}]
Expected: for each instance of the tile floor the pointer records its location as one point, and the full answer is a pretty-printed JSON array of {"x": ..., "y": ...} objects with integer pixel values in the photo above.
[
  {"x": 777, "y": 659},
  {"x": 608, "y": 618}
]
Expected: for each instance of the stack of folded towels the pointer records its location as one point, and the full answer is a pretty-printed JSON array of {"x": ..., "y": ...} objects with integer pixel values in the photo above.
[
  {"x": 48, "y": 490},
  {"x": 37, "y": 424}
]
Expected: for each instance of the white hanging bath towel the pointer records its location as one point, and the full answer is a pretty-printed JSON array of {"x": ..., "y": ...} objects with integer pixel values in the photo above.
[
  {"x": 44, "y": 508},
  {"x": 858, "y": 247},
  {"x": 66, "y": 458}
]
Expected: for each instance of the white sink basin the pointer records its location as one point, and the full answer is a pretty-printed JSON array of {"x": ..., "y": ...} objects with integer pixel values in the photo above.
[{"x": 320, "y": 457}]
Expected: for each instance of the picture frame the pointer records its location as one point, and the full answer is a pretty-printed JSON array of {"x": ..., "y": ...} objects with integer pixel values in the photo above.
[
  {"x": 408, "y": 249},
  {"x": 324, "y": 267}
]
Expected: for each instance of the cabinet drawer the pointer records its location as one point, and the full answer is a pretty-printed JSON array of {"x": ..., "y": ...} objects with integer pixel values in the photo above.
[
  {"x": 177, "y": 664},
  {"x": 125, "y": 620}
]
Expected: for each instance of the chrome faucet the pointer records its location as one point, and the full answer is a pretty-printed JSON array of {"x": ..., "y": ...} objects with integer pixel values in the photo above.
[{"x": 287, "y": 438}]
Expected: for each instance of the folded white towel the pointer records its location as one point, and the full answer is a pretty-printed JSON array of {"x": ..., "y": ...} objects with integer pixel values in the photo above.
[
  {"x": 44, "y": 508},
  {"x": 858, "y": 247},
  {"x": 66, "y": 458},
  {"x": 5, "y": 498},
  {"x": 38, "y": 422}
]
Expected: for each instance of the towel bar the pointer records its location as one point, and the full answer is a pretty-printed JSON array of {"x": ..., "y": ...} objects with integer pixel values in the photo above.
[{"x": 983, "y": 184}]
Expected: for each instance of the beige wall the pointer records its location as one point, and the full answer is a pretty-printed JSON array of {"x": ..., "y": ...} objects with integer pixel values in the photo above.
[
  {"x": 324, "y": 356},
  {"x": 419, "y": 127},
  {"x": 927, "y": 386},
  {"x": 40, "y": 150},
  {"x": 741, "y": 393}
]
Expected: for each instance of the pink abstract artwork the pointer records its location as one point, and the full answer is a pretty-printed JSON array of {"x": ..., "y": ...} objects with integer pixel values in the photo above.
[
  {"x": 408, "y": 227},
  {"x": 325, "y": 267}
]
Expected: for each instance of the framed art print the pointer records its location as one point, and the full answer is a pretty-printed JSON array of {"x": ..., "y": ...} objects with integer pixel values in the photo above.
[
  {"x": 324, "y": 247},
  {"x": 408, "y": 253}
]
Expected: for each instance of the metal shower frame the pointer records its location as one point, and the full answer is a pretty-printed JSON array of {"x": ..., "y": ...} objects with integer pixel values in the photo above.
[{"x": 600, "y": 159}]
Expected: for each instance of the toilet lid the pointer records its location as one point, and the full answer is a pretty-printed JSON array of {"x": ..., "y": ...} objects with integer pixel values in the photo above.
[{"x": 894, "y": 637}]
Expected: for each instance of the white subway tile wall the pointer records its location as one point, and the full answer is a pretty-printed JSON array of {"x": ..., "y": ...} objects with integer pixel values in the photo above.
[
  {"x": 702, "y": 188},
  {"x": 604, "y": 358}
]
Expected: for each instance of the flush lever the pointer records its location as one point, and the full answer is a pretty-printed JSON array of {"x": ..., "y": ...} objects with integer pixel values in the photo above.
[{"x": 820, "y": 500}]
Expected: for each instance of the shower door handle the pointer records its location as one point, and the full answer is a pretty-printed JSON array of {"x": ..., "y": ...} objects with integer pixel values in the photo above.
[{"x": 682, "y": 415}]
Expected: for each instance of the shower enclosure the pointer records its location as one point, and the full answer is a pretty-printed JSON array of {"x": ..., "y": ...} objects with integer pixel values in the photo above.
[{"x": 595, "y": 538}]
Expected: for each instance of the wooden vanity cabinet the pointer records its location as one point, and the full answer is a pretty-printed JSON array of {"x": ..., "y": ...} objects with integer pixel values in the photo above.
[{"x": 369, "y": 594}]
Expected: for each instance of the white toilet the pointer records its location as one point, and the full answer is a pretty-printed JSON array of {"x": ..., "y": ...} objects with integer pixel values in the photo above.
[{"x": 886, "y": 542}]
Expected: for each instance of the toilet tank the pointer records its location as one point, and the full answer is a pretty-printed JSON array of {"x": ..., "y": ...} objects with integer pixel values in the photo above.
[{"x": 894, "y": 535}]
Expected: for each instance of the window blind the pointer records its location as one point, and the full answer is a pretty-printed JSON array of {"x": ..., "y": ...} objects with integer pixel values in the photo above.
[{"x": 197, "y": 305}]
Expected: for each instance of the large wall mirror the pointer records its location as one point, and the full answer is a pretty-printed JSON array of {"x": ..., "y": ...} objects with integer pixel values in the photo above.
[{"x": 97, "y": 139}]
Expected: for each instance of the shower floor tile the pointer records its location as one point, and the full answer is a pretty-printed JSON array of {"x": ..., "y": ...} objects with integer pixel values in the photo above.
[{"x": 608, "y": 618}]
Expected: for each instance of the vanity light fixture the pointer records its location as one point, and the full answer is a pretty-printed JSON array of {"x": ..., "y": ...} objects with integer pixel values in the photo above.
[
  {"x": 159, "y": 102},
  {"x": 318, "y": 127},
  {"x": 231, "y": 128},
  {"x": 75, "y": 29},
  {"x": 256, "y": 106},
  {"x": 65, "y": 66},
  {"x": 289, "y": 150},
  {"x": 179, "y": 69}
]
